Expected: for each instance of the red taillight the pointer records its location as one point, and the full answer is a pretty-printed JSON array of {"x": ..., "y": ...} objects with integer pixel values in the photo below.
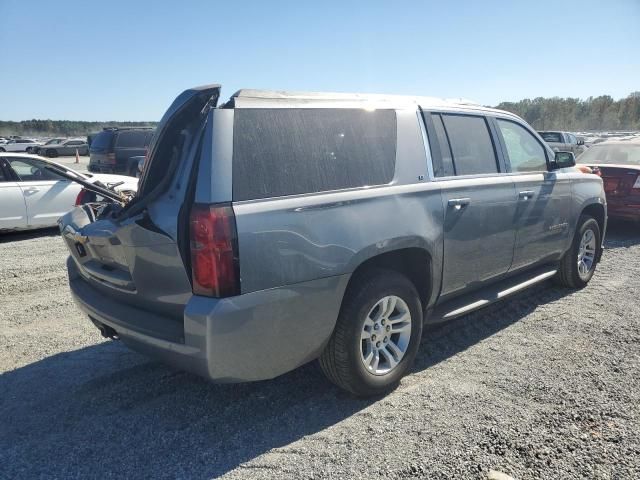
[
  {"x": 214, "y": 259},
  {"x": 111, "y": 158},
  {"x": 82, "y": 195}
]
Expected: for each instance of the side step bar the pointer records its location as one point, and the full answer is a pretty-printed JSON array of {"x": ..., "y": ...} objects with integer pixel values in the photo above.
[{"x": 486, "y": 296}]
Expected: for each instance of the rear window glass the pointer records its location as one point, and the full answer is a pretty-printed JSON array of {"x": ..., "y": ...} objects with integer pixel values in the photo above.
[
  {"x": 279, "y": 152},
  {"x": 471, "y": 144},
  {"x": 131, "y": 139},
  {"x": 101, "y": 140},
  {"x": 552, "y": 137}
]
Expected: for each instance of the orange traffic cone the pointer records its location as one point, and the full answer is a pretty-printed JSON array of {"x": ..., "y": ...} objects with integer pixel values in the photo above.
[{"x": 77, "y": 156}]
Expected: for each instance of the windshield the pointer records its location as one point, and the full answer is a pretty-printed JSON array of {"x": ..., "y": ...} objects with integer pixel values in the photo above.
[
  {"x": 612, "y": 154},
  {"x": 553, "y": 137}
]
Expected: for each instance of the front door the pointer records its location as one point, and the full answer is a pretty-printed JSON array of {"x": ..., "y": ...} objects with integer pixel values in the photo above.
[
  {"x": 13, "y": 210},
  {"x": 544, "y": 198},
  {"x": 47, "y": 195}
]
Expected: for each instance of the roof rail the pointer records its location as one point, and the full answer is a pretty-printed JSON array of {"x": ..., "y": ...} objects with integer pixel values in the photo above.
[{"x": 248, "y": 97}]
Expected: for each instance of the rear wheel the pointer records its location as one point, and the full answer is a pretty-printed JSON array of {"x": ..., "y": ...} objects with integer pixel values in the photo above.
[
  {"x": 579, "y": 263},
  {"x": 2, "y": 149},
  {"x": 377, "y": 334}
]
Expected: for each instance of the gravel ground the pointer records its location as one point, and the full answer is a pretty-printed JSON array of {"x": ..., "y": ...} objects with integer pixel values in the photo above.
[{"x": 545, "y": 385}]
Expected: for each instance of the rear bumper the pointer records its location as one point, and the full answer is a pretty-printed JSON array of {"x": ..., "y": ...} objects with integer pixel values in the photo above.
[
  {"x": 255, "y": 336},
  {"x": 99, "y": 168}
]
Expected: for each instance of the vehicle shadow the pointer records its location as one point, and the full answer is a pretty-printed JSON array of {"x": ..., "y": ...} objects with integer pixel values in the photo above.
[
  {"x": 6, "y": 237},
  {"x": 622, "y": 234},
  {"x": 106, "y": 411}
]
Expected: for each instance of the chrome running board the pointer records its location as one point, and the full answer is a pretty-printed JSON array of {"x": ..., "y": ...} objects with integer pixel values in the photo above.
[{"x": 467, "y": 303}]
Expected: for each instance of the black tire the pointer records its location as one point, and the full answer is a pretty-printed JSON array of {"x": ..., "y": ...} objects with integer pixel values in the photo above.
[
  {"x": 341, "y": 359},
  {"x": 52, "y": 153},
  {"x": 2, "y": 149},
  {"x": 568, "y": 273}
]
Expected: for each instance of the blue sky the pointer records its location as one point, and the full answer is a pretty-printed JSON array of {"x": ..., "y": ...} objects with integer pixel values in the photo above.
[{"x": 127, "y": 60}]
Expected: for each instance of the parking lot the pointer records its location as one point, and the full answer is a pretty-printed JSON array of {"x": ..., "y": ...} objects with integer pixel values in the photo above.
[{"x": 544, "y": 385}]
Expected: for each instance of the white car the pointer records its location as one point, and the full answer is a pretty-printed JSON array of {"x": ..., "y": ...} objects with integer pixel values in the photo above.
[
  {"x": 32, "y": 195},
  {"x": 19, "y": 145}
]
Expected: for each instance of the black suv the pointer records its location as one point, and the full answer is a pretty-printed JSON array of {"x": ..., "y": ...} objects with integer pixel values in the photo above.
[{"x": 112, "y": 149}]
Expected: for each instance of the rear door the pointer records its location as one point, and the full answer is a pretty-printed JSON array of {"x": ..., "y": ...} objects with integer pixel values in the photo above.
[
  {"x": 47, "y": 195},
  {"x": 13, "y": 210},
  {"x": 543, "y": 197},
  {"x": 479, "y": 201},
  {"x": 133, "y": 255}
]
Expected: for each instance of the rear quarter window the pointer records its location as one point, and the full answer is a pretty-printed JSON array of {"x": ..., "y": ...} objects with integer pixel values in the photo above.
[
  {"x": 101, "y": 141},
  {"x": 278, "y": 152},
  {"x": 131, "y": 139}
]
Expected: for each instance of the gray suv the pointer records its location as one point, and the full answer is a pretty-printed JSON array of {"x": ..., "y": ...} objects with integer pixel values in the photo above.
[
  {"x": 279, "y": 228},
  {"x": 564, "y": 142}
]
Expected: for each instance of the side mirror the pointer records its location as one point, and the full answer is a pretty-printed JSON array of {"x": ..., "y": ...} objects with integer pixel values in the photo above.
[
  {"x": 563, "y": 160},
  {"x": 580, "y": 141}
]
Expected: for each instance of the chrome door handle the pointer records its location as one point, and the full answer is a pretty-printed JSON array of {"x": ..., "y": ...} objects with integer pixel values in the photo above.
[
  {"x": 32, "y": 190},
  {"x": 526, "y": 195},
  {"x": 458, "y": 203}
]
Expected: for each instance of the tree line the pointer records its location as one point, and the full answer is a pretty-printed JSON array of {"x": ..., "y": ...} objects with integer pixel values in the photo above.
[
  {"x": 593, "y": 114},
  {"x": 61, "y": 128},
  {"x": 573, "y": 114}
]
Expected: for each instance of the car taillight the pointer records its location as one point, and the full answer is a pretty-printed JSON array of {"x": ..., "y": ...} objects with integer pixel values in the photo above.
[
  {"x": 215, "y": 267},
  {"x": 111, "y": 158},
  {"x": 82, "y": 195}
]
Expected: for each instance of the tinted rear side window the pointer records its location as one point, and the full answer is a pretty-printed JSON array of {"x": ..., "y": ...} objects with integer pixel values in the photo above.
[
  {"x": 279, "y": 152},
  {"x": 101, "y": 141},
  {"x": 131, "y": 139},
  {"x": 471, "y": 144}
]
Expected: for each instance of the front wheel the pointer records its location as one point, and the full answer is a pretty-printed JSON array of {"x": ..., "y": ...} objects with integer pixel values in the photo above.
[
  {"x": 376, "y": 336},
  {"x": 51, "y": 153},
  {"x": 579, "y": 263}
]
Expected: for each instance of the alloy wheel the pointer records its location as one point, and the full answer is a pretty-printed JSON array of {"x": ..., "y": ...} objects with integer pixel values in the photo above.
[
  {"x": 586, "y": 253},
  {"x": 385, "y": 336}
]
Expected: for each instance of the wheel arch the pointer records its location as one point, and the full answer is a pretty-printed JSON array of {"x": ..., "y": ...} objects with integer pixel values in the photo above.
[
  {"x": 598, "y": 211},
  {"x": 415, "y": 262}
]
